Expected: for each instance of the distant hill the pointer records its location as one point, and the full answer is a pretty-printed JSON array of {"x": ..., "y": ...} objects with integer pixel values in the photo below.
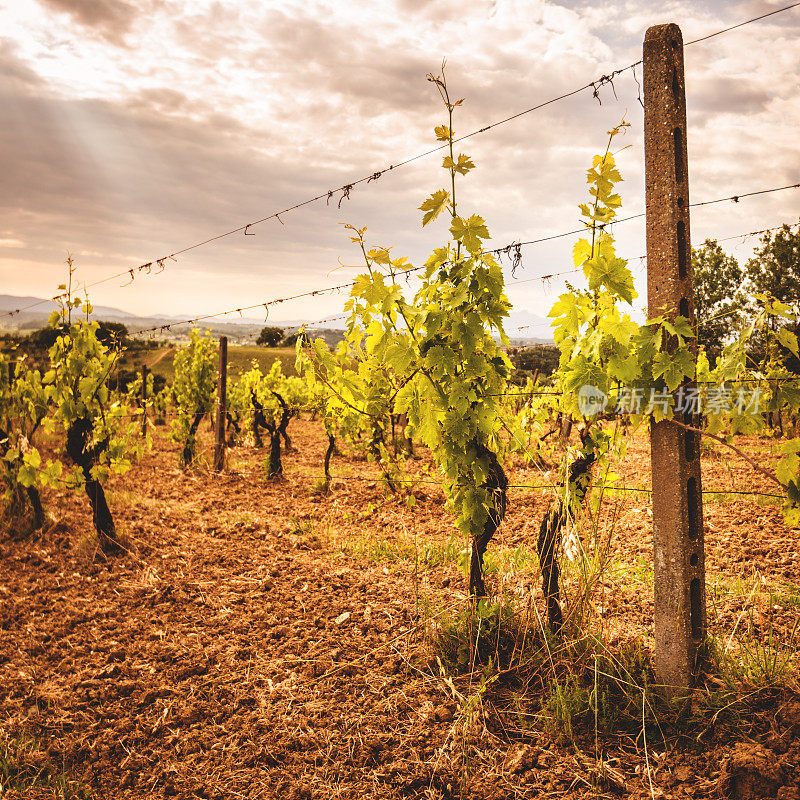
[
  {"x": 10, "y": 302},
  {"x": 522, "y": 327},
  {"x": 239, "y": 331}
]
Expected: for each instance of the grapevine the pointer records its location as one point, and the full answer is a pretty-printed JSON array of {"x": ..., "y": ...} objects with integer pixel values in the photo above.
[
  {"x": 99, "y": 438},
  {"x": 23, "y": 408},
  {"x": 193, "y": 391},
  {"x": 449, "y": 371}
]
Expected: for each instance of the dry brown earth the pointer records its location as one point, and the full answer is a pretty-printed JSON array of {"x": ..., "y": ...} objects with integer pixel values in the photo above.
[{"x": 264, "y": 641}]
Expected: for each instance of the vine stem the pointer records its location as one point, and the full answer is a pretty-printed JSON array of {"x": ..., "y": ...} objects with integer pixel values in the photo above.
[
  {"x": 441, "y": 85},
  {"x": 70, "y": 265},
  {"x": 763, "y": 470}
]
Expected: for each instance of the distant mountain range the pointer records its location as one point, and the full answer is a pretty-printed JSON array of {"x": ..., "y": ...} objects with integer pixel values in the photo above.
[
  {"x": 42, "y": 307},
  {"x": 33, "y": 312},
  {"x": 522, "y": 326}
]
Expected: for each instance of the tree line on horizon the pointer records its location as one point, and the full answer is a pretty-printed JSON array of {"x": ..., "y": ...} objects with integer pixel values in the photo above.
[{"x": 724, "y": 293}]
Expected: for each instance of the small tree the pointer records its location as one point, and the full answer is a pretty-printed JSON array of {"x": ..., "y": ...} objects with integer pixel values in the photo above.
[
  {"x": 113, "y": 335},
  {"x": 270, "y": 336},
  {"x": 718, "y": 298},
  {"x": 774, "y": 269},
  {"x": 540, "y": 358}
]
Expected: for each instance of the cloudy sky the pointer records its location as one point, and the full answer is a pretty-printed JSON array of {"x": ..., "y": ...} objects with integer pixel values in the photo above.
[{"x": 131, "y": 130}]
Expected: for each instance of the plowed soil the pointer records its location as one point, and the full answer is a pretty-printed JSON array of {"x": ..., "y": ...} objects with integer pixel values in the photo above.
[{"x": 264, "y": 641}]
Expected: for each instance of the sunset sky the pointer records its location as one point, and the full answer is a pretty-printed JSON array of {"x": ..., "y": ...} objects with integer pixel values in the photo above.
[{"x": 131, "y": 130}]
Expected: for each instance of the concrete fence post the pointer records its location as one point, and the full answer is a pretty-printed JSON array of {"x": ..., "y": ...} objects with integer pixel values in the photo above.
[
  {"x": 222, "y": 405},
  {"x": 144, "y": 400},
  {"x": 678, "y": 545}
]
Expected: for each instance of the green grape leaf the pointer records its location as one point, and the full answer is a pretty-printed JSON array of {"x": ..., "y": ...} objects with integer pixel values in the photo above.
[
  {"x": 624, "y": 369},
  {"x": 438, "y": 257},
  {"x": 463, "y": 164},
  {"x": 470, "y": 231},
  {"x": 620, "y": 329},
  {"x": 680, "y": 327},
  {"x": 613, "y": 273},
  {"x": 788, "y": 469},
  {"x": 581, "y": 252},
  {"x": 673, "y": 367},
  {"x": 434, "y": 205},
  {"x": 787, "y": 339}
]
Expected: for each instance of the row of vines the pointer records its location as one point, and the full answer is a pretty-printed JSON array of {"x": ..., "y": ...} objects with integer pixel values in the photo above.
[{"x": 424, "y": 370}]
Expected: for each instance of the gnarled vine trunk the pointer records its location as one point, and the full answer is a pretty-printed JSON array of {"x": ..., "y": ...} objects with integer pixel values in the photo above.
[
  {"x": 551, "y": 531},
  {"x": 286, "y": 415},
  {"x": 565, "y": 428},
  {"x": 401, "y": 434},
  {"x": 328, "y": 454},
  {"x": 191, "y": 440},
  {"x": 377, "y": 446},
  {"x": 275, "y": 467},
  {"x": 287, "y": 442},
  {"x": 85, "y": 456},
  {"x": 232, "y": 422},
  {"x": 276, "y": 431},
  {"x": 259, "y": 421},
  {"x": 497, "y": 484},
  {"x": 34, "y": 498}
]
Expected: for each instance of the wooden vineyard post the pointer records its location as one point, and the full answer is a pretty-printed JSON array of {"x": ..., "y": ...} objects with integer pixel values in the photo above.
[
  {"x": 222, "y": 405},
  {"x": 144, "y": 400},
  {"x": 678, "y": 545}
]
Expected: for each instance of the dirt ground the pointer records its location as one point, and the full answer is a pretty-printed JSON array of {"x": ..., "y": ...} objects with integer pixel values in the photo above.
[{"x": 265, "y": 641}]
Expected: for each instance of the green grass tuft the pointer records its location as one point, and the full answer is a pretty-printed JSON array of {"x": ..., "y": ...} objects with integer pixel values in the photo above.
[{"x": 24, "y": 766}]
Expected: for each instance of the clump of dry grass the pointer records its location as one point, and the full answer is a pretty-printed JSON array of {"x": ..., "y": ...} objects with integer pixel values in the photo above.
[
  {"x": 25, "y": 768},
  {"x": 587, "y": 683}
]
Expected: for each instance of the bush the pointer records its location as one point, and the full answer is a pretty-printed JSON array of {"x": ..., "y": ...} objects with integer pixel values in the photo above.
[
  {"x": 270, "y": 336},
  {"x": 543, "y": 357},
  {"x": 112, "y": 334}
]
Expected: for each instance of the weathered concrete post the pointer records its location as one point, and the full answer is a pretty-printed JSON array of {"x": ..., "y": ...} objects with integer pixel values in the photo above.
[
  {"x": 678, "y": 546},
  {"x": 222, "y": 405},
  {"x": 144, "y": 400}
]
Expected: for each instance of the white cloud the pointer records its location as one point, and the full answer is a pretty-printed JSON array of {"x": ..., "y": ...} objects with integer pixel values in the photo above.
[{"x": 140, "y": 128}]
